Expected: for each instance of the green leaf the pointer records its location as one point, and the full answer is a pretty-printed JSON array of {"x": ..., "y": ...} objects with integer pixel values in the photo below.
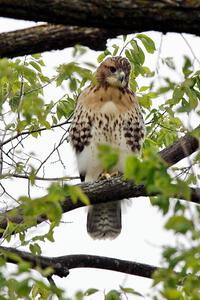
[
  {"x": 35, "y": 249},
  {"x": 146, "y": 72},
  {"x": 90, "y": 292},
  {"x": 36, "y": 55},
  {"x": 147, "y": 42},
  {"x": 65, "y": 108},
  {"x": 137, "y": 53},
  {"x": 36, "y": 66},
  {"x": 109, "y": 156},
  {"x": 178, "y": 94},
  {"x": 124, "y": 37},
  {"x": 22, "y": 288},
  {"x": 113, "y": 295},
  {"x": 75, "y": 193},
  {"x": 193, "y": 100},
  {"x": 73, "y": 84},
  {"x": 79, "y": 295},
  {"x": 172, "y": 294},
  {"x": 133, "y": 82},
  {"x": 103, "y": 55},
  {"x": 145, "y": 101},
  {"x": 187, "y": 67},
  {"x": 32, "y": 176},
  {"x": 179, "y": 224},
  {"x": 116, "y": 48},
  {"x": 143, "y": 88},
  {"x": 131, "y": 167},
  {"x": 130, "y": 291}
]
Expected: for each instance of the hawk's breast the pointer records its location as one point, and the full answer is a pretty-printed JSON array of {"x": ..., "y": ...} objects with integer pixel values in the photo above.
[{"x": 110, "y": 117}]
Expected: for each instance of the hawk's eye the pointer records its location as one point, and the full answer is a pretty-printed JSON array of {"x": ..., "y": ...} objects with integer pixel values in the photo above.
[{"x": 113, "y": 69}]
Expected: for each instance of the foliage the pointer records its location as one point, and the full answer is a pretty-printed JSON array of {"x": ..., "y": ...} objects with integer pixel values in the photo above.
[{"x": 25, "y": 113}]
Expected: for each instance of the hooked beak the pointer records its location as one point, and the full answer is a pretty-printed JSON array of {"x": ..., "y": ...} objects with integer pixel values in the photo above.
[{"x": 121, "y": 76}]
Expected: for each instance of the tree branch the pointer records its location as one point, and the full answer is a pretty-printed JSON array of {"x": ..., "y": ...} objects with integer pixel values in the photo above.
[
  {"x": 116, "y": 188},
  {"x": 27, "y": 132},
  {"x": 52, "y": 37},
  {"x": 134, "y": 16},
  {"x": 61, "y": 265}
]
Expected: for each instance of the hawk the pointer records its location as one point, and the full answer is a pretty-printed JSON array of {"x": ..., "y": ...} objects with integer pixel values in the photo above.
[{"x": 106, "y": 113}]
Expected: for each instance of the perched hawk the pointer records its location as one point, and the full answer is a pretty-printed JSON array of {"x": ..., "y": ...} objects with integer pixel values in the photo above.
[{"x": 106, "y": 113}]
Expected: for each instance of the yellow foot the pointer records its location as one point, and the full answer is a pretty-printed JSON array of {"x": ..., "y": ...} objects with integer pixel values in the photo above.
[
  {"x": 113, "y": 174},
  {"x": 105, "y": 175}
]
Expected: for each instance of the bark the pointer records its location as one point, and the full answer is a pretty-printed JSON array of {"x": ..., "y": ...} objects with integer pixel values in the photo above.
[
  {"x": 51, "y": 37},
  {"x": 134, "y": 16},
  {"x": 61, "y": 265},
  {"x": 184, "y": 147},
  {"x": 116, "y": 188}
]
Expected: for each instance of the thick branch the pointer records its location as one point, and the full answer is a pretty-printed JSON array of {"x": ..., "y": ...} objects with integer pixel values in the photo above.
[
  {"x": 61, "y": 265},
  {"x": 134, "y": 16},
  {"x": 184, "y": 147},
  {"x": 115, "y": 188},
  {"x": 52, "y": 37}
]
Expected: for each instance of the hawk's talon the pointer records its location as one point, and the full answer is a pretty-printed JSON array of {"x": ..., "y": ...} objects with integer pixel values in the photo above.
[
  {"x": 107, "y": 176},
  {"x": 104, "y": 176},
  {"x": 114, "y": 174}
]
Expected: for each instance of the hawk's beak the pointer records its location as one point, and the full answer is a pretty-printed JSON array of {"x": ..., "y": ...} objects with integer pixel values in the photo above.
[{"x": 121, "y": 76}]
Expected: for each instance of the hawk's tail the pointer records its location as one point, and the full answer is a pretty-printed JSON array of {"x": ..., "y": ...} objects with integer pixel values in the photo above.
[{"x": 104, "y": 220}]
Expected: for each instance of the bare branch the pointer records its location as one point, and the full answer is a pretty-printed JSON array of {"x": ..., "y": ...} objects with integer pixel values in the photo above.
[
  {"x": 52, "y": 37},
  {"x": 116, "y": 188},
  {"x": 61, "y": 265},
  {"x": 33, "y": 131},
  {"x": 27, "y": 176},
  {"x": 164, "y": 16}
]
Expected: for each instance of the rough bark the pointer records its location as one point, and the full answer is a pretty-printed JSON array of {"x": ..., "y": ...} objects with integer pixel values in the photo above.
[
  {"x": 61, "y": 265},
  {"x": 51, "y": 37},
  {"x": 184, "y": 147},
  {"x": 134, "y": 16},
  {"x": 116, "y": 188}
]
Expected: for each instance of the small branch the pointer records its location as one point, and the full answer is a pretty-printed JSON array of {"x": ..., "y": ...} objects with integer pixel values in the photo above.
[
  {"x": 191, "y": 49},
  {"x": 33, "y": 131},
  {"x": 27, "y": 176},
  {"x": 61, "y": 265},
  {"x": 63, "y": 138}
]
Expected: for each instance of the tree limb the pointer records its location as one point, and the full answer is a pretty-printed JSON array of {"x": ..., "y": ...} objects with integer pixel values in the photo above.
[
  {"x": 135, "y": 16},
  {"x": 52, "y": 37},
  {"x": 62, "y": 264},
  {"x": 116, "y": 188}
]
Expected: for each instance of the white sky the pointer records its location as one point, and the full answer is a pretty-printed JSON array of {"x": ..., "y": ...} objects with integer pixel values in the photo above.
[{"x": 142, "y": 236}]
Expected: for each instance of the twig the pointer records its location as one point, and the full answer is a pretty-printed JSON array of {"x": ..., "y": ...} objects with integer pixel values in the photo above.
[
  {"x": 50, "y": 154},
  {"x": 191, "y": 50},
  {"x": 27, "y": 176},
  {"x": 33, "y": 131}
]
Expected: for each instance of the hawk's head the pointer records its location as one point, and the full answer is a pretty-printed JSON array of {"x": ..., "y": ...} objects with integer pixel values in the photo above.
[{"x": 114, "y": 71}]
